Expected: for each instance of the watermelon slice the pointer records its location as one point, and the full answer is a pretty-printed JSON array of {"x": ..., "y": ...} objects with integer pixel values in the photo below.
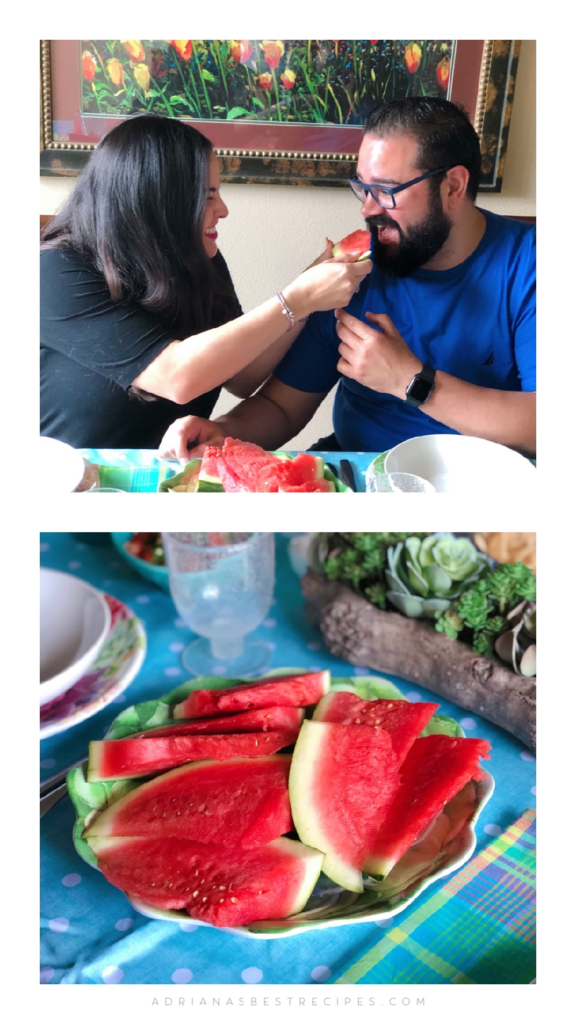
[
  {"x": 403, "y": 720},
  {"x": 214, "y": 884},
  {"x": 132, "y": 758},
  {"x": 259, "y": 720},
  {"x": 435, "y": 770},
  {"x": 342, "y": 780},
  {"x": 280, "y": 474},
  {"x": 286, "y": 691},
  {"x": 233, "y": 803},
  {"x": 357, "y": 241},
  {"x": 238, "y": 463}
]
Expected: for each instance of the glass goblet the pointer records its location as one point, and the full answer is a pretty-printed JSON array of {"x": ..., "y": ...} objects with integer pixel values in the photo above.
[{"x": 222, "y": 585}]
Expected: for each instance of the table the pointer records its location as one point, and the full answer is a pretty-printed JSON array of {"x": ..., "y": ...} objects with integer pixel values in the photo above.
[
  {"x": 90, "y": 933},
  {"x": 140, "y": 469}
]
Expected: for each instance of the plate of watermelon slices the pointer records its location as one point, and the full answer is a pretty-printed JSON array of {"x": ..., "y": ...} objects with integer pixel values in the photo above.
[
  {"x": 242, "y": 466},
  {"x": 276, "y": 806}
]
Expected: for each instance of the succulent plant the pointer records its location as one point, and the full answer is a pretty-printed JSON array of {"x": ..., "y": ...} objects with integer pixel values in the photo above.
[
  {"x": 518, "y": 644},
  {"x": 425, "y": 577}
]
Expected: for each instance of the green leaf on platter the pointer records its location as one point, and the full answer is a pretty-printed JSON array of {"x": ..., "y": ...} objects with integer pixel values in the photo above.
[
  {"x": 236, "y": 112},
  {"x": 88, "y": 798}
]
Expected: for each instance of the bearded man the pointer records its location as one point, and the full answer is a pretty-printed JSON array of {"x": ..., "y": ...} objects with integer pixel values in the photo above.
[{"x": 440, "y": 337}]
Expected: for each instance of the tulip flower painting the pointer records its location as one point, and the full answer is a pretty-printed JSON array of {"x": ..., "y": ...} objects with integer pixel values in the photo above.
[
  {"x": 291, "y": 81},
  {"x": 412, "y": 56},
  {"x": 88, "y": 66}
]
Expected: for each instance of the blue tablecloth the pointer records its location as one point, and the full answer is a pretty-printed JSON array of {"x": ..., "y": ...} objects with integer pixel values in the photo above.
[
  {"x": 90, "y": 933},
  {"x": 140, "y": 469}
]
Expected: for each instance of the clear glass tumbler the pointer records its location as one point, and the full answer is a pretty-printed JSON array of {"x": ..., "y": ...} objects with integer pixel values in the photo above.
[
  {"x": 377, "y": 480},
  {"x": 222, "y": 585}
]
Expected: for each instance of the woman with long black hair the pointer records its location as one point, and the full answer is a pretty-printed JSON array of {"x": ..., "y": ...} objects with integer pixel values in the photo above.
[{"x": 140, "y": 324}]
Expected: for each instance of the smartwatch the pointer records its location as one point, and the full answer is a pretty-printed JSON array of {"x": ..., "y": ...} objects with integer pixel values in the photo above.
[{"x": 421, "y": 387}]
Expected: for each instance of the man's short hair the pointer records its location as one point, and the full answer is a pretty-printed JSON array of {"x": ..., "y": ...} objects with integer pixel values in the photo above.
[{"x": 445, "y": 136}]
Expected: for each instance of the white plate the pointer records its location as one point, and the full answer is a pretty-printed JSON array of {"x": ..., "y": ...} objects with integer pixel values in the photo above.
[
  {"x": 60, "y": 468},
  {"x": 74, "y": 623},
  {"x": 461, "y": 465},
  {"x": 117, "y": 663}
]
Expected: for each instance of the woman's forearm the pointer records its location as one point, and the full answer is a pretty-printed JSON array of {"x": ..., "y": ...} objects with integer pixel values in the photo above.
[
  {"x": 189, "y": 368},
  {"x": 186, "y": 369}
]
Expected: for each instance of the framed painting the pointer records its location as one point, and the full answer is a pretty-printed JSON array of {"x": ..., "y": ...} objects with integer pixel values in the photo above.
[{"x": 277, "y": 111}]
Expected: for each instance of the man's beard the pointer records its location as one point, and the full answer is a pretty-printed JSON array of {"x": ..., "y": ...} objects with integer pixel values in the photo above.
[{"x": 415, "y": 246}]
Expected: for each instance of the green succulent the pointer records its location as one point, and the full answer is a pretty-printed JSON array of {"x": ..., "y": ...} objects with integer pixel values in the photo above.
[{"x": 424, "y": 577}]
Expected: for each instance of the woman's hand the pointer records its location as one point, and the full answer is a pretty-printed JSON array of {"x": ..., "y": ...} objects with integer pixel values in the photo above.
[
  {"x": 187, "y": 438},
  {"x": 330, "y": 284},
  {"x": 326, "y": 255}
]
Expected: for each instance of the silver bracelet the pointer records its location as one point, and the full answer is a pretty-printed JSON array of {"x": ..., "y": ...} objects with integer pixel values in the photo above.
[{"x": 288, "y": 312}]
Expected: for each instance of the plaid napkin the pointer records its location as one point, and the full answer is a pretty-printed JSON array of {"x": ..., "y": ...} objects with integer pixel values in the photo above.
[{"x": 480, "y": 928}]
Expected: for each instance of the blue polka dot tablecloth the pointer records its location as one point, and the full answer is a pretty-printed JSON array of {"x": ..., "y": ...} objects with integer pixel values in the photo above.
[{"x": 90, "y": 934}]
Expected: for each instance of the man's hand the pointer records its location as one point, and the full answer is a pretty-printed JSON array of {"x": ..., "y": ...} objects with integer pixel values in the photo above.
[
  {"x": 378, "y": 356},
  {"x": 187, "y": 438}
]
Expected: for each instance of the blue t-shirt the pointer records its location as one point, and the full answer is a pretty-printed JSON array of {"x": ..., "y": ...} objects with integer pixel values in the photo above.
[{"x": 476, "y": 321}]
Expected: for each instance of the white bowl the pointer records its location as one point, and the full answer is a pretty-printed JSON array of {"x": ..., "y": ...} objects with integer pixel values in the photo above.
[
  {"x": 60, "y": 468},
  {"x": 461, "y": 465},
  {"x": 74, "y": 621}
]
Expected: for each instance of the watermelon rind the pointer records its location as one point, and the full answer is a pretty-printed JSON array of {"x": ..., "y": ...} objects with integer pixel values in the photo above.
[{"x": 308, "y": 824}]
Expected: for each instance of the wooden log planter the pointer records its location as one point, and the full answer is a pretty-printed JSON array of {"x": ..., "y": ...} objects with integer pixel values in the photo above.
[{"x": 359, "y": 632}]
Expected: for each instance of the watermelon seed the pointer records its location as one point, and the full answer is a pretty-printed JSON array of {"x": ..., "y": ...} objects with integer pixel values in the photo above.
[
  {"x": 195, "y": 893},
  {"x": 221, "y": 900},
  {"x": 377, "y": 721},
  {"x": 222, "y": 887},
  {"x": 233, "y": 899},
  {"x": 255, "y": 743},
  {"x": 356, "y": 721},
  {"x": 204, "y": 898}
]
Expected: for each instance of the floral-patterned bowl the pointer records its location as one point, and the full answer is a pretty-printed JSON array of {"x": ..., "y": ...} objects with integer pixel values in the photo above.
[{"x": 117, "y": 663}]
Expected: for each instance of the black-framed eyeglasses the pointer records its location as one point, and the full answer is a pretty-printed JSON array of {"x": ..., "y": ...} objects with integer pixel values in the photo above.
[{"x": 384, "y": 195}]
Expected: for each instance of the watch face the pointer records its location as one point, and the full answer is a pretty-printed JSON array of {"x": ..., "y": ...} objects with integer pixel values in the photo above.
[{"x": 419, "y": 389}]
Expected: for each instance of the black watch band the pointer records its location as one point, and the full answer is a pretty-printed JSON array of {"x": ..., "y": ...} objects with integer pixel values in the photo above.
[{"x": 421, "y": 387}]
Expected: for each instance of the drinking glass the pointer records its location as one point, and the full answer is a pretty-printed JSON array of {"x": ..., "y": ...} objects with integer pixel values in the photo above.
[
  {"x": 378, "y": 480},
  {"x": 222, "y": 586}
]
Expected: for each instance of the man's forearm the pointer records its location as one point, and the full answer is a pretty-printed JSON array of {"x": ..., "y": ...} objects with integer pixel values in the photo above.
[
  {"x": 507, "y": 417},
  {"x": 257, "y": 419}
]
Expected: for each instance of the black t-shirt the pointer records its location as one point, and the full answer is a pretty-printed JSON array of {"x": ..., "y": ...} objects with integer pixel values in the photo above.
[{"x": 92, "y": 348}]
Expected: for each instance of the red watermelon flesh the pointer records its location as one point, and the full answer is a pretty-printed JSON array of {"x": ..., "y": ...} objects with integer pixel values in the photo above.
[
  {"x": 286, "y": 474},
  {"x": 259, "y": 720},
  {"x": 403, "y": 720},
  {"x": 243, "y": 462},
  {"x": 285, "y": 691},
  {"x": 215, "y": 465},
  {"x": 241, "y": 802},
  {"x": 435, "y": 770},
  {"x": 131, "y": 758},
  {"x": 273, "y": 475},
  {"x": 342, "y": 780},
  {"x": 320, "y": 486},
  {"x": 218, "y": 885},
  {"x": 356, "y": 242}
]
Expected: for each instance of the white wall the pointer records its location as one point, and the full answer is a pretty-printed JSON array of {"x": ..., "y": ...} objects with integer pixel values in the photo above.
[{"x": 274, "y": 231}]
